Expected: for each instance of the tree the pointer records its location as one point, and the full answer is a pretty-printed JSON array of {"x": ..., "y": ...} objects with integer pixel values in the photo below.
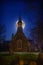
[
  {"x": 37, "y": 33},
  {"x": 2, "y": 32},
  {"x": 40, "y": 33}
]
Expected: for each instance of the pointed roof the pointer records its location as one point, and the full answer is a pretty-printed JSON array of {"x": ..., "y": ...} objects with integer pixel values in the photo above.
[{"x": 20, "y": 20}]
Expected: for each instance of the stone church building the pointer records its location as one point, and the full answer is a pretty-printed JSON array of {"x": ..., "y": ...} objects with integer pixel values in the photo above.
[{"x": 19, "y": 42}]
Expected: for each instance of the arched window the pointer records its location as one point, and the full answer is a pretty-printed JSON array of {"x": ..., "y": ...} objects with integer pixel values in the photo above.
[{"x": 19, "y": 44}]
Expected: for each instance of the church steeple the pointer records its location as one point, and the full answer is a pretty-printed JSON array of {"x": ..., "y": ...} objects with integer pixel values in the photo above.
[
  {"x": 20, "y": 21},
  {"x": 19, "y": 18},
  {"x": 20, "y": 24}
]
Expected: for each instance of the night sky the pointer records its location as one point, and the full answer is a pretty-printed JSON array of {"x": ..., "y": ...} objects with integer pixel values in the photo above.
[{"x": 29, "y": 10}]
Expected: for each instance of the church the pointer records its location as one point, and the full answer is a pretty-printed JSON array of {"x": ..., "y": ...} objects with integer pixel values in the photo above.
[{"x": 19, "y": 42}]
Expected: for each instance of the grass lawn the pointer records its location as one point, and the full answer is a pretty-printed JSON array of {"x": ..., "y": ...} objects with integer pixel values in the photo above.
[{"x": 6, "y": 59}]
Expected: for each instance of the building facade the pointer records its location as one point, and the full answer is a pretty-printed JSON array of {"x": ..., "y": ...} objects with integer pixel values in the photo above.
[{"x": 19, "y": 42}]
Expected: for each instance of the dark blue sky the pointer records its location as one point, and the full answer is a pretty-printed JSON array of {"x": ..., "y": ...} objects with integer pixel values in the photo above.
[{"x": 30, "y": 11}]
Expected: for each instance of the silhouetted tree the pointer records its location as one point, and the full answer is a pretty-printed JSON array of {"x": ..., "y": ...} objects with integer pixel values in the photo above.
[
  {"x": 37, "y": 33},
  {"x": 40, "y": 33},
  {"x": 40, "y": 59},
  {"x": 2, "y": 32}
]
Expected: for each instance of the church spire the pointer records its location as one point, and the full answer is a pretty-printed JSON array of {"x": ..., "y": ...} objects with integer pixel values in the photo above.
[
  {"x": 20, "y": 24},
  {"x": 20, "y": 20}
]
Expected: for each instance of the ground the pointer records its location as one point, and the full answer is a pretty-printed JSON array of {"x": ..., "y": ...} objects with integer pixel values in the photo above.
[{"x": 7, "y": 59}]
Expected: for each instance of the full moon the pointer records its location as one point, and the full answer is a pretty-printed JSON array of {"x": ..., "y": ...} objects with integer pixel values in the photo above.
[{"x": 23, "y": 24}]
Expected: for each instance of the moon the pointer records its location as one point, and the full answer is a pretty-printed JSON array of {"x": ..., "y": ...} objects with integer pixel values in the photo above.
[{"x": 23, "y": 24}]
